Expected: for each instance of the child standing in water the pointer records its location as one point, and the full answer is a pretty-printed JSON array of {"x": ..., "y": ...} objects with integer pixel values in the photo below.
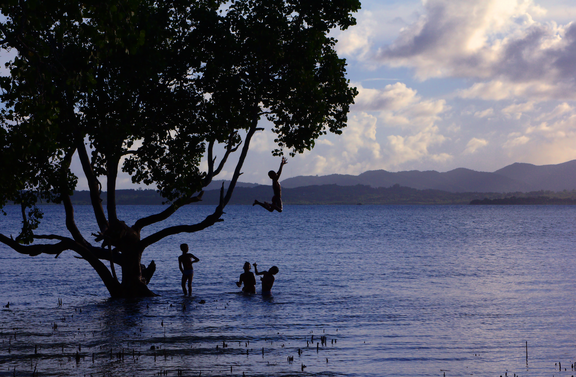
[
  {"x": 267, "y": 279},
  {"x": 277, "y": 198},
  {"x": 248, "y": 279},
  {"x": 185, "y": 264}
]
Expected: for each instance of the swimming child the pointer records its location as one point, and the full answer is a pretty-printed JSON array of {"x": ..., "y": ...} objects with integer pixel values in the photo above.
[
  {"x": 277, "y": 198},
  {"x": 267, "y": 279},
  {"x": 248, "y": 279}
]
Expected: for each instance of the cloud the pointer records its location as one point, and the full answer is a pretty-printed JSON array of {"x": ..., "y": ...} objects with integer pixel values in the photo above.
[
  {"x": 516, "y": 110},
  {"x": 559, "y": 124},
  {"x": 354, "y": 152},
  {"x": 474, "y": 144},
  {"x": 377, "y": 24},
  {"x": 485, "y": 113},
  {"x": 388, "y": 128},
  {"x": 360, "y": 138},
  {"x": 560, "y": 110},
  {"x": 516, "y": 140},
  {"x": 392, "y": 98},
  {"x": 263, "y": 141},
  {"x": 496, "y": 42},
  {"x": 399, "y": 106},
  {"x": 358, "y": 40},
  {"x": 416, "y": 147}
]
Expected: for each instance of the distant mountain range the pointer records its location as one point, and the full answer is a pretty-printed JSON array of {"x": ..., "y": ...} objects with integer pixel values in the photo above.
[
  {"x": 518, "y": 177},
  {"x": 514, "y": 184}
]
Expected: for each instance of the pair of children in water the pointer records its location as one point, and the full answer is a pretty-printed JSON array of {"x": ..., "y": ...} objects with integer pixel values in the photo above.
[{"x": 249, "y": 279}]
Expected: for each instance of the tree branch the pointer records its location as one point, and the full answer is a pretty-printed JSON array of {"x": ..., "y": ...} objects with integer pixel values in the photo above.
[
  {"x": 208, "y": 221},
  {"x": 93, "y": 185},
  {"x": 141, "y": 223},
  {"x": 68, "y": 207},
  {"x": 224, "y": 199},
  {"x": 111, "y": 190},
  {"x": 67, "y": 244},
  {"x": 189, "y": 200},
  {"x": 242, "y": 158},
  {"x": 229, "y": 150},
  {"x": 206, "y": 181},
  {"x": 34, "y": 250}
]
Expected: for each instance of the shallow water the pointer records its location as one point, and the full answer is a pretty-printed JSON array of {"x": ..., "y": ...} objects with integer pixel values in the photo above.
[{"x": 396, "y": 291}]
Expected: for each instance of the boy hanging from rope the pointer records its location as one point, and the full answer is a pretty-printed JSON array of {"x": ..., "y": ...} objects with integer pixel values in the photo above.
[{"x": 277, "y": 198}]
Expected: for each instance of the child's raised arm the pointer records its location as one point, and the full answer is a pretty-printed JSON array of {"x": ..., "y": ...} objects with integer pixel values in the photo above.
[
  {"x": 282, "y": 163},
  {"x": 256, "y": 269}
]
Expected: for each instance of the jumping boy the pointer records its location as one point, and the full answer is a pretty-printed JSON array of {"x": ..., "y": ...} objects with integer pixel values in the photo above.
[
  {"x": 185, "y": 262},
  {"x": 277, "y": 198}
]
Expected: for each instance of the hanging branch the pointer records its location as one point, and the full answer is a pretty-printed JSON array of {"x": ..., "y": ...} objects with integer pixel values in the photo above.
[
  {"x": 243, "y": 154},
  {"x": 93, "y": 185},
  {"x": 63, "y": 245},
  {"x": 67, "y": 202},
  {"x": 146, "y": 221},
  {"x": 224, "y": 199},
  {"x": 230, "y": 148}
]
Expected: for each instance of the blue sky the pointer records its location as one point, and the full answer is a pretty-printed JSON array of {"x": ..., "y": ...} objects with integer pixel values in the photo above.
[{"x": 444, "y": 84}]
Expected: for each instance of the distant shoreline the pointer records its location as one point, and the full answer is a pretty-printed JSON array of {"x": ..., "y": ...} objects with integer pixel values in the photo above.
[
  {"x": 539, "y": 200},
  {"x": 349, "y": 195}
]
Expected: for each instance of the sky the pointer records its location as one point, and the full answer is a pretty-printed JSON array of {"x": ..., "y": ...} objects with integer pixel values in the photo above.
[{"x": 444, "y": 84}]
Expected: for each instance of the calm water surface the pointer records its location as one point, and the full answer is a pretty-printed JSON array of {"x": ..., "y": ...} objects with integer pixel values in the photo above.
[{"x": 395, "y": 291}]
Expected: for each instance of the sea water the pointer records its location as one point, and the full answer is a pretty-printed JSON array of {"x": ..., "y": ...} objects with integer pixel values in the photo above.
[{"x": 362, "y": 291}]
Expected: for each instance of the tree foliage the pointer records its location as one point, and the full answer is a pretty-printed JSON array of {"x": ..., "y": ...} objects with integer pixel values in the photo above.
[{"x": 151, "y": 88}]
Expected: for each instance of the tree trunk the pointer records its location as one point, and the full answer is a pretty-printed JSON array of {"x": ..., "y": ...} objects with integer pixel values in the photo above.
[{"x": 133, "y": 282}]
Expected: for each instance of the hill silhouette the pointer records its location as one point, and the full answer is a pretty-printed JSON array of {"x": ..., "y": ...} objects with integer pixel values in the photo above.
[
  {"x": 518, "y": 177},
  {"x": 518, "y": 183}
]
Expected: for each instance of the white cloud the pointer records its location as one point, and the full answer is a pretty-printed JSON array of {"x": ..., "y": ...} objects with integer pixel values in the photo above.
[
  {"x": 360, "y": 137},
  {"x": 393, "y": 97},
  {"x": 516, "y": 110},
  {"x": 516, "y": 140},
  {"x": 399, "y": 106},
  {"x": 560, "y": 124},
  {"x": 325, "y": 142},
  {"x": 358, "y": 40},
  {"x": 485, "y": 113},
  {"x": 474, "y": 145},
  {"x": 354, "y": 152},
  {"x": 560, "y": 110},
  {"x": 496, "y": 90},
  {"x": 416, "y": 147},
  {"x": 494, "y": 41},
  {"x": 263, "y": 141}
]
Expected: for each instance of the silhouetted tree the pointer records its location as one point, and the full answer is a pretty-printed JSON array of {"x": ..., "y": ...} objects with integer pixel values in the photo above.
[{"x": 151, "y": 88}]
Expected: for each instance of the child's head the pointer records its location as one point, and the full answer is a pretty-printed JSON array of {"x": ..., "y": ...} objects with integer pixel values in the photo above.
[
  {"x": 273, "y": 270},
  {"x": 247, "y": 266},
  {"x": 272, "y": 174},
  {"x": 184, "y": 248}
]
